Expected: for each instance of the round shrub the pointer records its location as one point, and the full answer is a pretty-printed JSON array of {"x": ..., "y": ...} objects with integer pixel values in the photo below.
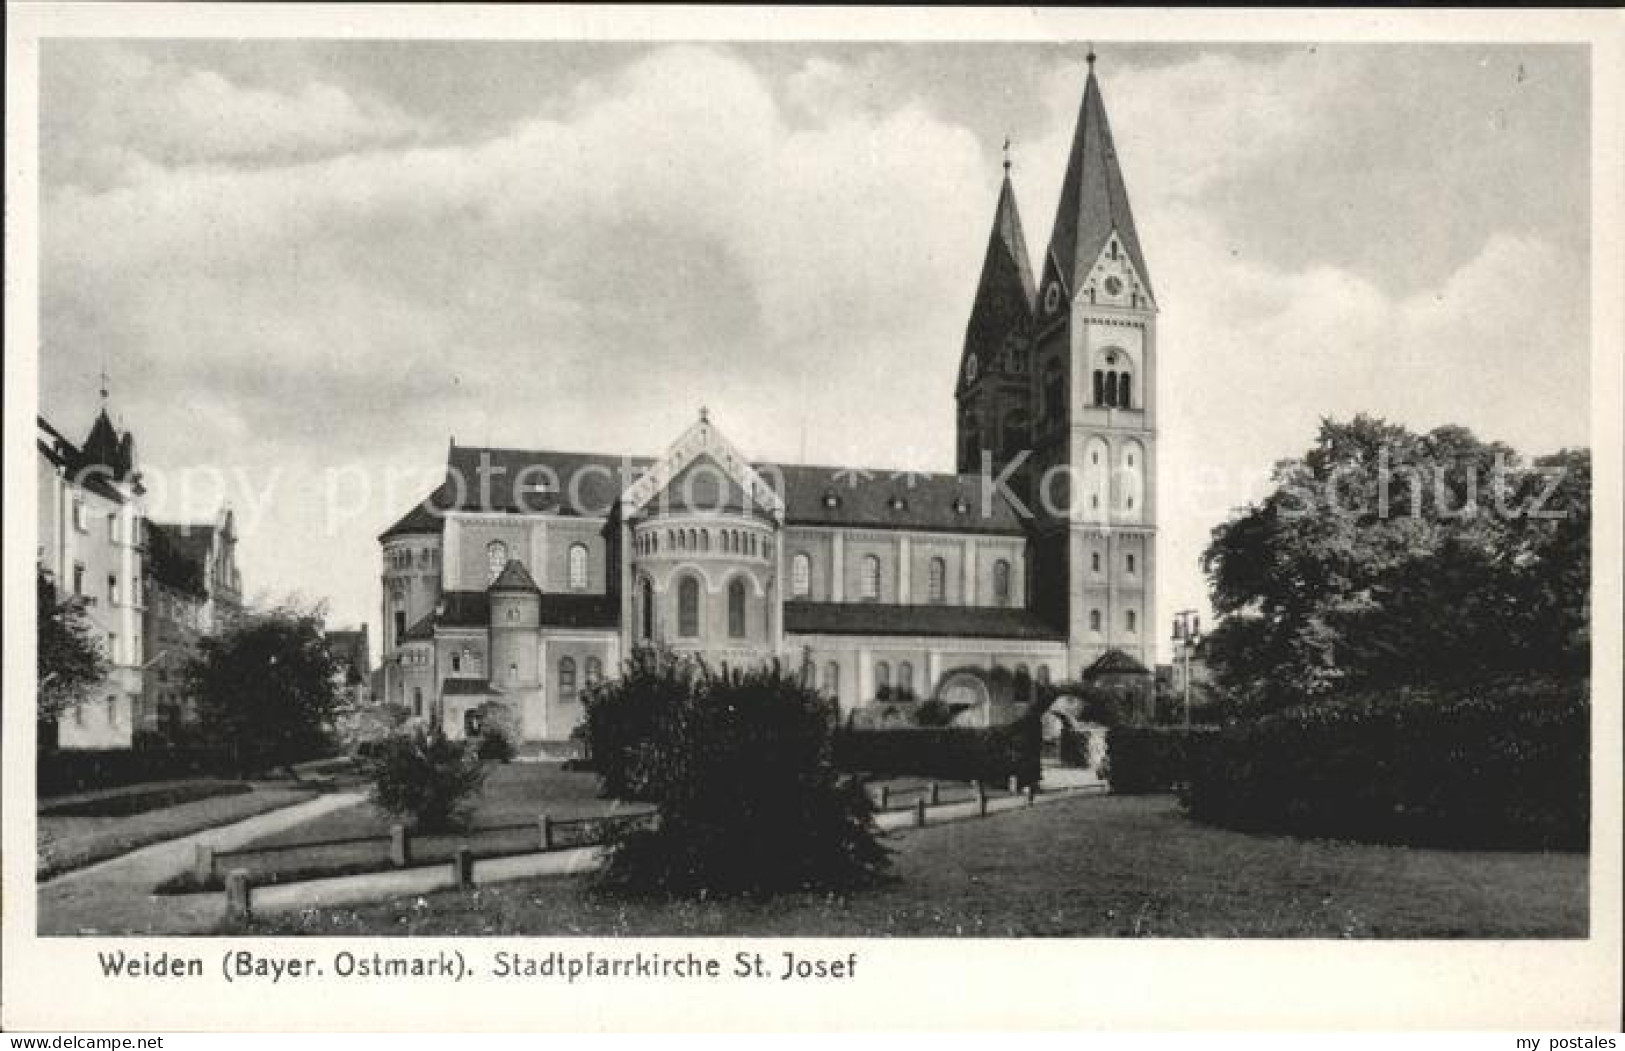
[
  {"x": 426, "y": 778},
  {"x": 740, "y": 766}
]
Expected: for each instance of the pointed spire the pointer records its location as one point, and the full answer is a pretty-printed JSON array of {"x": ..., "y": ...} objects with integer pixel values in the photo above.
[
  {"x": 1004, "y": 295},
  {"x": 1094, "y": 199}
]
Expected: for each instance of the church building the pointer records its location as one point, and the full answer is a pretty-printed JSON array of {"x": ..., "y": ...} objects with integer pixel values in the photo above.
[{"x": 529, "y": 574}]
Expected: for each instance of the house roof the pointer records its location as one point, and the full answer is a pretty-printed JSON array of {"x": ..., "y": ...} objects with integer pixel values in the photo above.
[
  {"x": 1094, "y": 199},
  {"x": 514, "y": 577},
  {"x": 422, "y": 518},
  {"x": 1115, "y": 662},
  {"x": 873, "y": 618},
  {"x": 422, "y": 631},
  {"x": 177, "y": 560}
]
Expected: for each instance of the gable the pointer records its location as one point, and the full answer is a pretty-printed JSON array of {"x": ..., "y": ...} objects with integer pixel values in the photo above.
[{"x": 703, "y": 450}]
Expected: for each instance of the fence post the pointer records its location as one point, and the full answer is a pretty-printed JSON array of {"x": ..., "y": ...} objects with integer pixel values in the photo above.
[
  {"x": 239, "y": 904},
  {"x": 1015, "y": 785},
  {"x": 1032, "y": 791},
  {"x": 936, "y": 794},
  {"x": 463, "y": 866},
  {"x": 400, "y": 847},
  {"x": 203, "y": 864},
  {"x": 544, "y": 825},
  {"x": 885, "y": 796},
  {"x": 981, "y": 799},
  {"x": 919, "y": 812}
]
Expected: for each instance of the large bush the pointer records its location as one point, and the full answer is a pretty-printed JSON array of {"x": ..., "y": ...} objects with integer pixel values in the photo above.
[
  {"x": 740, "y": 766},
  {"x": 426, "y": 778},
  {"x": 1141, "y": 759},
  {"x": 625, "y": 716},
  {"x": 1504, "y": 765}
]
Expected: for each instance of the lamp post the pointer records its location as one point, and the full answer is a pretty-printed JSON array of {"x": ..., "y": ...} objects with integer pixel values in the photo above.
[{"x": 1187, "y": 633}]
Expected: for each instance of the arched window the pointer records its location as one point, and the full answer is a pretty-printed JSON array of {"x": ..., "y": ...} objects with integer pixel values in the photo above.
[
  {"x": 1125, "y": 388},
  {"x": 882, "y": 675},
  {"x": 1131, "y": 621},
  {"x": 1129, "y": 561},
  {"x": 1100, "y": 387},
  {"x": 938, "y": 581},
  {"x": 1094, "y": 620},
  {"x": 496, "y": 557},
  {"x": 578, "y": 567},
  {"x": 905, "y": 676},
  {"x": 1094, "y": 561},
  {"x": 688, "y": 608},
  {"x": 800, "y": 575},
  {"x": 1043, "y": 675},
  {"x": 705, "y": 540},
  {"x": 456, "y": 662},
  {"x": 1001, "y": 583},
  {"x": 417, "y": 705},
  {"x": 832, "y": 679},
  {"x": 1024, "y": 682},
  {"x": 595, "y": 671},
  {"x": 736, "y": 609},
  {"x": 869, "y": 585},
  {"x": 1111, "y": 389},
  {"x": 646, "y": 595},
  {"x": 567, "y": 680}
]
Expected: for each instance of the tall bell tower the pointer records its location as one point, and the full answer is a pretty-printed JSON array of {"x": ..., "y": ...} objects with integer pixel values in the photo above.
[{"x": 1094, "y": 385}]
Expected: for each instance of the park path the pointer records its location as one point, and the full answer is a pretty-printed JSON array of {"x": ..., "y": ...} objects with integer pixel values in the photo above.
[{"x": 115, "y": 896}]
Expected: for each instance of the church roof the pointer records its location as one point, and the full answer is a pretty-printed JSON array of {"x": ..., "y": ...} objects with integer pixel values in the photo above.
[
  {"x": 589, "y": 484},
  {"x": 1094, "y": 199},
  {"x": 881, "y": 499},
  {"x": 472, "y": 609},
  {"x": 514, "y": 577},
  {"x": 1115, "y": 662},
  {"x": 874, "y": 618},
  {"x": 1004, "y": 294}
]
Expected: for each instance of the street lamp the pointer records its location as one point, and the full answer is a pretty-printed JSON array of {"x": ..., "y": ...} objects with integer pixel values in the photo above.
[{"x": 1187, "y": 634}]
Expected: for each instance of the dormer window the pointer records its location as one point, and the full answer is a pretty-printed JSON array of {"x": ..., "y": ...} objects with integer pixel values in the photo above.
[
  {"x": 831, "y": 499},
  {"x": 960, "y": 506},
  {"x": 897, "y": 503}
]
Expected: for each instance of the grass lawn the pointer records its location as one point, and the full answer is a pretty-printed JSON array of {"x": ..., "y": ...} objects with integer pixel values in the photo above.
[
  {"x": 67, "y": 843},
  {"x": 504, "y": 822},
  {"x": 1108, "y": 866}
]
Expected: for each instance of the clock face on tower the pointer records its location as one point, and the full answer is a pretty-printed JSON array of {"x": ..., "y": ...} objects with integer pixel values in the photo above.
[
  {"x": 1052, "y": 297},
  {"x": 1114, "y": 285}
]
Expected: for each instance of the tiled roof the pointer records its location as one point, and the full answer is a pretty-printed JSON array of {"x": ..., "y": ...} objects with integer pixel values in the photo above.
[
  {"x": 175, "y": 560},
  {"x": 873, "y": 618},
  {"x": 590, "y": 484},
  {"x": 422, "y": 518},
  {"x": 563, "y": 610},
  {"x": 514, "y": 577},
  {"x": 465, "y": 609},
  {"x": 1115, "y": 662},
  {"x": 1094, "y": 199},
  {"x": 422, "y": 631},
  {"x": 1004, "y": 294}
]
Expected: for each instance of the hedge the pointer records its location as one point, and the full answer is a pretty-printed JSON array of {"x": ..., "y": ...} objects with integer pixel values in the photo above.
[
  {"x": 1505, "y": 766},
  {"x": 1142, "y": 759},
  {"x": 990, "y": 755},
  {"x": 139, "y": 799},
  {"x": 71, "y": 770}
]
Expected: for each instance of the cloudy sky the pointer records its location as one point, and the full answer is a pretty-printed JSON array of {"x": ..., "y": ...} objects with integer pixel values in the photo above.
[{"x": 306, "y": 265}]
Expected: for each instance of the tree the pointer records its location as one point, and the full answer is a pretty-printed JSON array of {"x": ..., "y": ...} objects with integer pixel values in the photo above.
[
  {"x": 71, "y": 661},
  {"x": 427, "y": 778},
  {"x": 1386, "y": 557},
  {"x": 266, "y": 687}
]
